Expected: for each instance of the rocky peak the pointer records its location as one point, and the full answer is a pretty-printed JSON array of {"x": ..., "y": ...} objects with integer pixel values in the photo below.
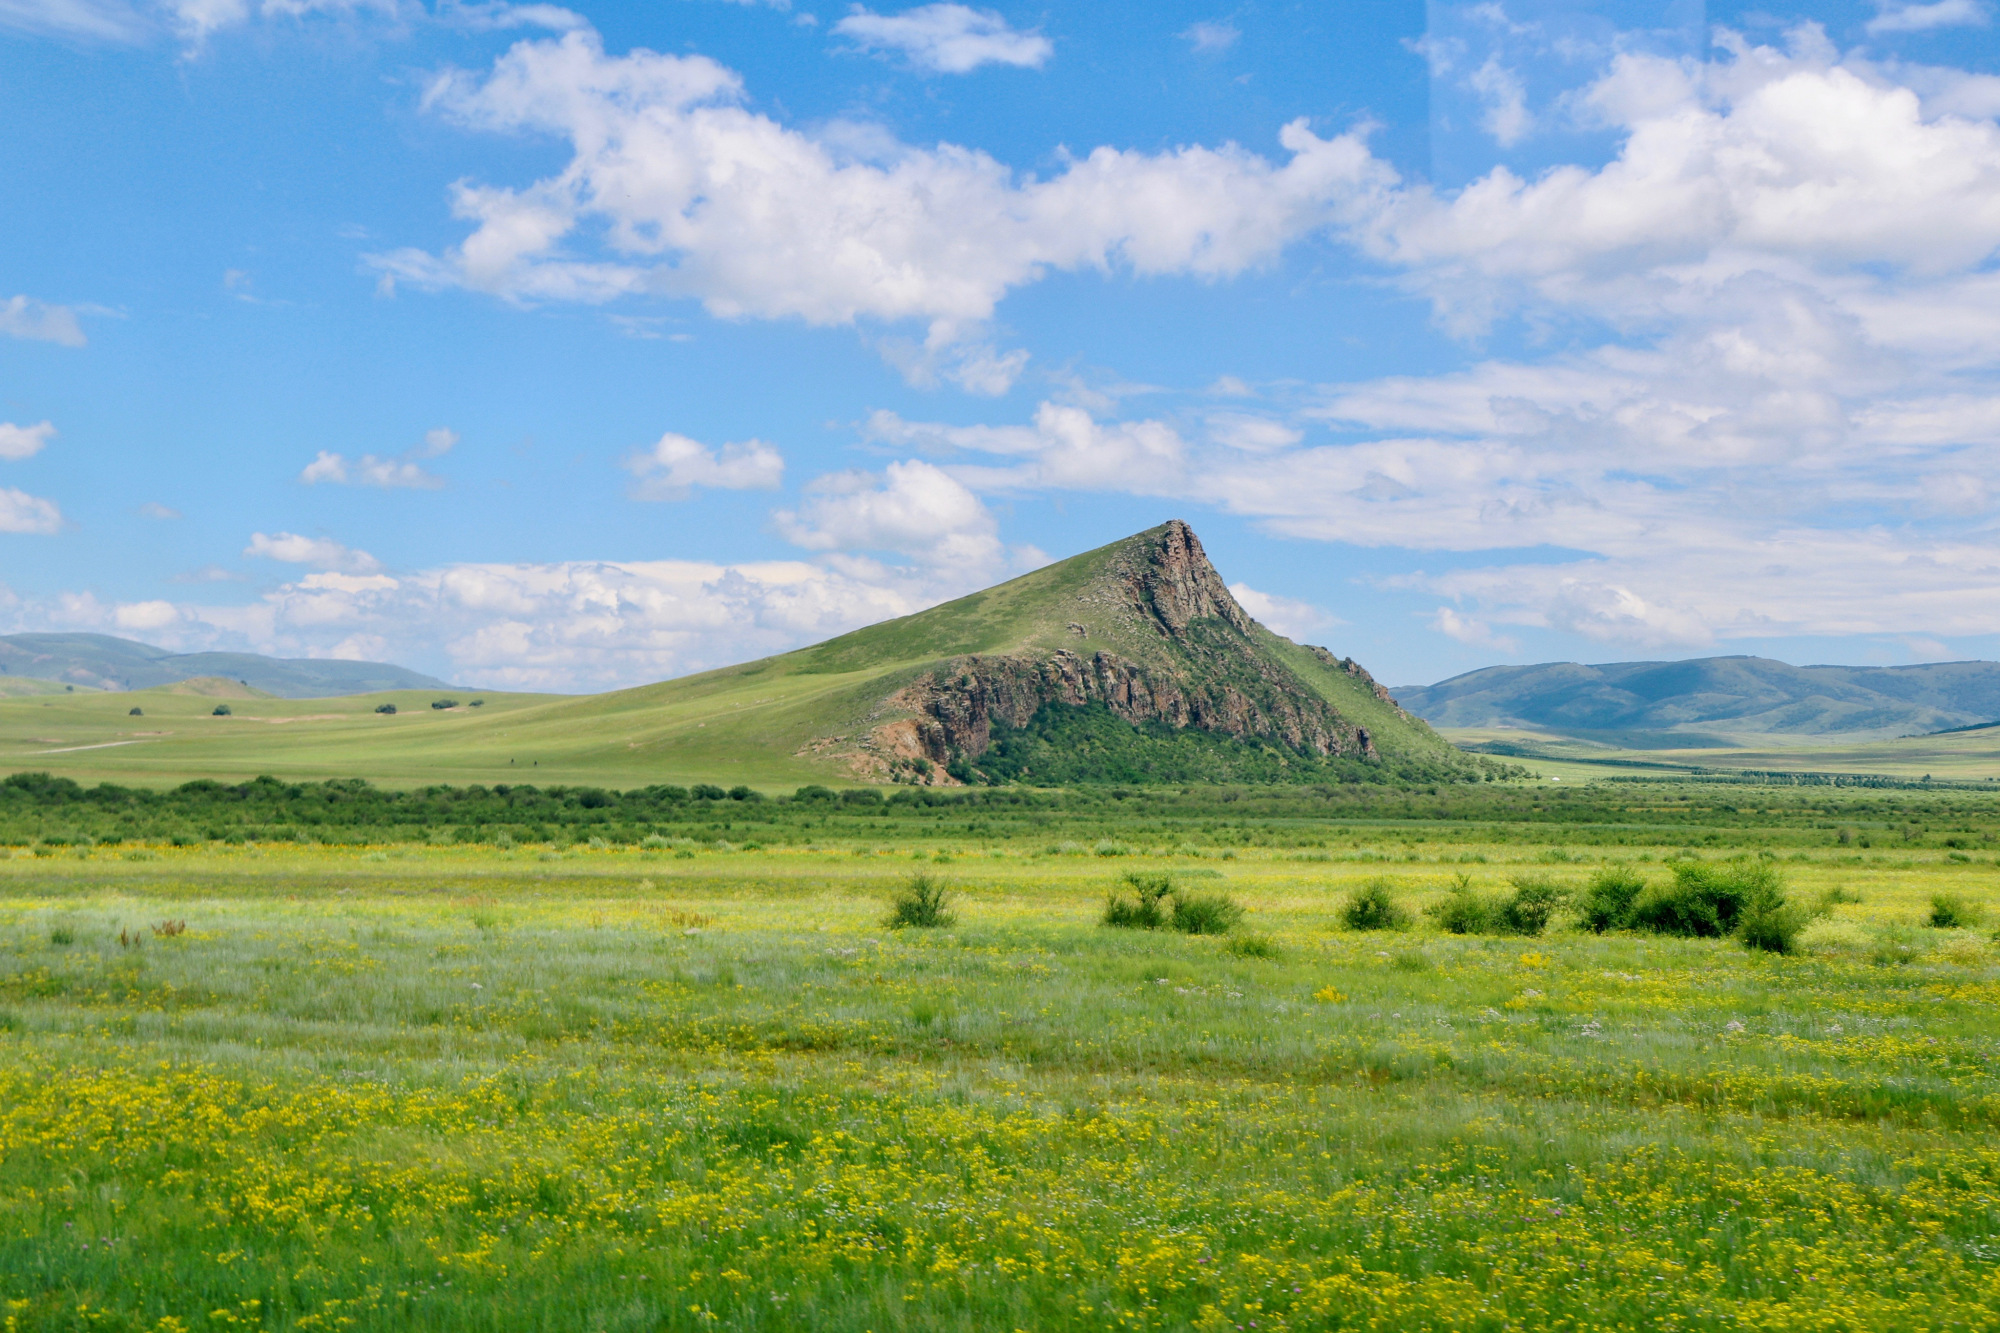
[{"x": 1169, "y": 577}]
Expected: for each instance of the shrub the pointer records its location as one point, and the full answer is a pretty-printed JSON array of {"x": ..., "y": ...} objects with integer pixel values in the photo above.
[
  {"x": 62, "y": 936},
  {"x": 1142, "y": 911},
  {"x": 388, "y": 710},
  {"x": 1372, "y": 908},
  {"x": 1252, "y": 946},
  {"x": 137, "y": 712},
  {"x": 1770, "y": 923},
  {"x": 1609, "y": 898},
  {"x": 707, "y": 791},
  {"x": 1462, "y": 912},
  {"x": 1703, "y": 900},
  {"x": 743, "y": 793},
  {"x": 221, "y": 710},
  {"x": 1205, "y": 913},
  {"x": 923, "y": 902},
  {"x": 1535, "y": 900},
  {"x": 1949, "y": 912},
  {"x": 444, "y": 703}
]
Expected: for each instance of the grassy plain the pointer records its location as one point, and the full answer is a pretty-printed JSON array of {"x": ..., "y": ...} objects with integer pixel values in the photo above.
[
  {"x": 1955, "y": 756},
  {"x": 460, "y": 1087}
]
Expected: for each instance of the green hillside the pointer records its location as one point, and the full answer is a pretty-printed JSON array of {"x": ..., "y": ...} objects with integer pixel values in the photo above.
[{"x": 1142, "y": 633}]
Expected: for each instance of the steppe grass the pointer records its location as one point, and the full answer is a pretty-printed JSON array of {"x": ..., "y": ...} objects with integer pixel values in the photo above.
[{"x": 413, "y": 1088}]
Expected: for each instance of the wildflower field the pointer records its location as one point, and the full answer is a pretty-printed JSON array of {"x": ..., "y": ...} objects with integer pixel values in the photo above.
[{"x": 292, "y": 1086}]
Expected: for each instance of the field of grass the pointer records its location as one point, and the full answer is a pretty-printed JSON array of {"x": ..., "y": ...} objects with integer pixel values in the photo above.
[
  {"x": 696, "y": 1087},
  {"x": 1953, "y": 756}
]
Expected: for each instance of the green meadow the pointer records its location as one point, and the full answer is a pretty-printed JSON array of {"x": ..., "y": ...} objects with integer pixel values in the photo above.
[{"x": 680, "y": 1081}]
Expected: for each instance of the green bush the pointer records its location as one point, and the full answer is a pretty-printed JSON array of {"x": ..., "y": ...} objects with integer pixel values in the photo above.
[
  {"x": 1703, "y": 900},
  {"x": 1252, "y": 946},
  {"x": 221, "y": 710},
  {"x": 707, "y": 791},
  {"x": 1535, "y": 900},
  {"x": 1770, "y": 923},
  {"x": 1608, "y": 899},
  {"x": 387, "y": 710},
  {"x": 1142, "y": 911},
  {"x": 1709, "y": 901},
  {"x": 1949, "y": 912},
  {"x": 444, "y": 703},
  {"x": 1462, "y": 911},
  {"x": 1205, "y": 913},
  {"x": 923, "y": 902},
  {"x": 1373, "y": 908}
]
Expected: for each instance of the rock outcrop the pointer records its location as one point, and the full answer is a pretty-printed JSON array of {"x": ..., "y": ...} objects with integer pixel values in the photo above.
[{"x": 1205, "y": 668}]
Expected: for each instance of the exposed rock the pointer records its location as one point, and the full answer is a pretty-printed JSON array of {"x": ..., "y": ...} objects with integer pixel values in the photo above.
[{"x": 1211, "y": 674}]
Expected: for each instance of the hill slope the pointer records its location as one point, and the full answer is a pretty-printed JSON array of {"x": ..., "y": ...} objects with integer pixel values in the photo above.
[
  {"x": 102, "y": 662},
  {"x": 1129, "y": 663},
  {"x": 1668, "y": 702}
]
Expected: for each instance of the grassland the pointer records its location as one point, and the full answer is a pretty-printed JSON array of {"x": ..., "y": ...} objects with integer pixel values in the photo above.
[
  {"x": 698, "y": 1085},
  {"x": 1965, "y": 756}
]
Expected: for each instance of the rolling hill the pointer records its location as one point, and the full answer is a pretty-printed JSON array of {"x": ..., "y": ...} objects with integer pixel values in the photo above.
[
  {"x": 1713, "y": 701},
  {"x": 1131, "y": 662},
  {"x": 103, "y": 662}
]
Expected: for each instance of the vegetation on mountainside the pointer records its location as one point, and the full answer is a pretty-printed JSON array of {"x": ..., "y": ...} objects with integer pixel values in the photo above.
[{"x": 1067, "y": 745}]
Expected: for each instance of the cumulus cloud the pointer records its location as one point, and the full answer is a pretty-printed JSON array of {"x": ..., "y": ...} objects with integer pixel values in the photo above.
[
  {"x": 696, "y": 197},
  {"x": 403, "y": 472},
  {"x": 320, "y": 552},
  {"x": 946, "y": 38},
  {"x": 1899, "y": 17},
  {"x": 1065, "y": 447},
  {"x": 1469, "y": 630},
  {"x": 24, "y": 513},
  {"x": 571, "y": 625},
  {"x": 1288, "y": 616},
  {"x": 25, "y": 317},
  {"x": 912, "y": 509},
  {"x": 19, "y": 442},
  {"x": 675, "y": 465}
]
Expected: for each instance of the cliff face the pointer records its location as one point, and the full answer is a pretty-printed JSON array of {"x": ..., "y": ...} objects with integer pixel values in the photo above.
[{"x": 1192, "y": 659}]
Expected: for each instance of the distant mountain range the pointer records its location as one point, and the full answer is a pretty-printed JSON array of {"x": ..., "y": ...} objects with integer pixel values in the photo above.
[
  {"x": 1705, "y": 701},
  {"x": 102, "y": 662}
]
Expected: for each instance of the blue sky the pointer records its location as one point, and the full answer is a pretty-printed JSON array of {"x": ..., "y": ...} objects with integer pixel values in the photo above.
[{"x": 571, "y": 347}]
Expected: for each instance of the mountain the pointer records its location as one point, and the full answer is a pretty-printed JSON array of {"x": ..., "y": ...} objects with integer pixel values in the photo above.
[
  {"x": 1128, "y": 664},
  {"x": 1664, "y": 704},
  {"x": 102, "y": 662}
]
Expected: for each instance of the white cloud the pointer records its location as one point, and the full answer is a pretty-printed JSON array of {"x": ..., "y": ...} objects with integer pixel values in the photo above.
[
  {"x": 1251, "y": 433},
  {"x": 1065, "y": 447},
  {"x": 946, "y": 38},
  {"x": 155, "y": 510},
  {"x": 24, "y": 513},
  {"x": 19, "y": 442},
  {"x": 404, "y": 472},
  {"x": 675, "y": 465},
  {"x": 143, "y": 616},
  {"x": 1507, "y": 117},
  {"x": 913, "y": 509},
  {"x": 696, "y": 197},
  {"x": 1468, "y": 630},
  {"x": 573, "y": 625},
  {"x": 320, "y": 552},
  {"x": 1899, "y": 17},
  {"x": 1211, "y": 36},
  {"x": 104, "y": 20},
  {"x": 24, "y": 317},
  {"x": 1288, "y": 616}
]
